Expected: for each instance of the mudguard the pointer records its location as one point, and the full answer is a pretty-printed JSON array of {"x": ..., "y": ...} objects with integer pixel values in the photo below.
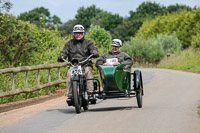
[{"x": 137, "y": 80}]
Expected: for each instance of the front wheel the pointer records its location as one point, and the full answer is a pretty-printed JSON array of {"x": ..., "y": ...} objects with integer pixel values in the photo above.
[
  {"x": 77, "y": 98},
  {"x": 139, "y": 98}
]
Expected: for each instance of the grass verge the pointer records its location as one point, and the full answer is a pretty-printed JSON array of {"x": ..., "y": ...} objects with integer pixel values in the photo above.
[{"x": 187, "y": 60}]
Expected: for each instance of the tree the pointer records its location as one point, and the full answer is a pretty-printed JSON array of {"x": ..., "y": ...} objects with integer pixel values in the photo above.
[
  {"x": 56, "y": 20},
  {"x": 177, "y": 8},
  {"x": 39, "y": 16},
  {"x": 67, "y": 27},
  {"x": 186, "y": 24},
  {"x": 17, "y": 43},
  {"x": 6, "y": 6},
  {"x": 100, "y": 37},
  {"x": 147, "y": 10},
  {"x": 84, "y": 15},
  {"x": 107, "y": 20},
  {"x": 127, "y": 30}
]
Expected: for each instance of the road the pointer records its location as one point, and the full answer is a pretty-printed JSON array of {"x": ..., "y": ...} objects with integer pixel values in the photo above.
[{"x": 170, "y": 106}]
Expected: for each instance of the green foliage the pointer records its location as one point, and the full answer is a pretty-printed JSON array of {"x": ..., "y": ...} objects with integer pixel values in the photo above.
[
  {"x": 17, "y": 41},
  {"x": 170, "y": 43},
  {"x": 196, "y": 41},
  {"x": 49, "y": 46},
  {"x": 188, "y": 60},
  {"x": 199, "y": 110},
  {"x": 67, "y": 28},
  {"x": 147, "y": 10},
  {"x": 156, "y": 47},
  {"x": 100, "y": 37},
  {"x": 186, "y": 24},
  {"x": 107, "y": 20},
  {"x": 178, "y": 8},
  {"x": 39, "y": 16},
  {"x": 127, "y": 30},
  {"x": 85, "y": 15},
  {"x": 5, "y": 6},
  {"x": 25, "y": 44}
]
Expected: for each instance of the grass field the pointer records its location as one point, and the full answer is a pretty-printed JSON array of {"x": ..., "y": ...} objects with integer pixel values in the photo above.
[{"x": 187, "y": 60}]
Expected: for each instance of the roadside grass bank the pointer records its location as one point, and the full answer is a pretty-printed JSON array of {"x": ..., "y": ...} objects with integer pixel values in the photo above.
[{"x": 187, "y": 60}]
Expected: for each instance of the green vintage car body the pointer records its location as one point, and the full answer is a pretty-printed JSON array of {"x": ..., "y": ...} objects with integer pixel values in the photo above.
[{"x": 114, "y": 78}]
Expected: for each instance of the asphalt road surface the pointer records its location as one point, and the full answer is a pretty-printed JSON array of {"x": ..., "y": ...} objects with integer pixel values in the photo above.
[{"x": 169, "y": 106}]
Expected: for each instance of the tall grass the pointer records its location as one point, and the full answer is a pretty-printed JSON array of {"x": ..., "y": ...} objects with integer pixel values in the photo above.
[
  {"x": 187, "y": 60},
  {"x": 199, "y": 110}
]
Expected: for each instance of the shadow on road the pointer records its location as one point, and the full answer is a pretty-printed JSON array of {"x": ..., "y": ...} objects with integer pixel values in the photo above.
[
  {"x": 112, "y": 108},
  {"x": 64, "y": 111}
]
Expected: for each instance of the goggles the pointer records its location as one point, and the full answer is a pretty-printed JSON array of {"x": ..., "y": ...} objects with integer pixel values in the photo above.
[
  {"x": 78, "y": 28},
  {"x": 115, "y": 43}
]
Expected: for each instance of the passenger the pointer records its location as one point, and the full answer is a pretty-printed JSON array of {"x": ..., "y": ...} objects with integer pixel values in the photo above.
[
  {"x": 115, "y": 57},
  {"x": 79, "y": 48}
]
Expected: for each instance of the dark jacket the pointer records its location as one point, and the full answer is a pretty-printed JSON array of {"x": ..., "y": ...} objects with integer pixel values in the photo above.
[
  {"x": 78, "y": 49},
  {"x": 123, "y": 58}
]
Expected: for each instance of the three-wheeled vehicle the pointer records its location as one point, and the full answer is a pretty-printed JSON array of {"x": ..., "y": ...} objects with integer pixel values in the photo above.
[{"x": 117, "y": 81}]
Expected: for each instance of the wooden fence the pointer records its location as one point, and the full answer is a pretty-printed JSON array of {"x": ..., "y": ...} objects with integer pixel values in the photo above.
[
  {"x": 25, "y": 69},
  {"x": 144, "y": 60}
]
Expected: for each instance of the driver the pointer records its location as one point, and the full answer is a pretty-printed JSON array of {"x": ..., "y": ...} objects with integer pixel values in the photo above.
[
  {"x": 79, "y": 48},
  {"x": 116, "y": 55}
]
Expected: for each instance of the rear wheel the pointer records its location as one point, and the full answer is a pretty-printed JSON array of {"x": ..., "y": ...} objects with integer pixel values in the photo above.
[{"x": 77, "y": 98}]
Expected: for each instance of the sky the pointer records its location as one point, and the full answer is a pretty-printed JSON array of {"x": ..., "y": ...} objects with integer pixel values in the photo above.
[{"x": 67, "y": 9}]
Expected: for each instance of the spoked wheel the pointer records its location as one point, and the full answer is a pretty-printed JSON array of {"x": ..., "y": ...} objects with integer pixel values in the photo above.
[
  {"x": 139, "y": 98},
  {"x": 139, "y": 94},
  {"x": 77, "y": 98},
  {"x": 138, "y": 86}
]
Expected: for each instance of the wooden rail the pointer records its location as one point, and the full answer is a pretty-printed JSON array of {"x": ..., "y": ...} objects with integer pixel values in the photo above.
[
  {"x": 25, "y": 69},
  {"x": 144, "y": 60}
]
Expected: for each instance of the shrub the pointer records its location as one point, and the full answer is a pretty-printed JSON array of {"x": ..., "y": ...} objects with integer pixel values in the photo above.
[
  {"x": 196, "y": 41},
  {"x": 170, "y": 43},
  {"x": 186, "y": 24},
  {"x": 100, "y": 37},
  {"x": 140, "y": 46}
]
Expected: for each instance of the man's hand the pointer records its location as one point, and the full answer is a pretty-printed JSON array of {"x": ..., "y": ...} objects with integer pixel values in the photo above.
[
  {"x": 106, "y": 63},
  {"x": 95, "y": 53},
  {"x": 61, "y": 57},
  {"x": 115, "y": 63}
]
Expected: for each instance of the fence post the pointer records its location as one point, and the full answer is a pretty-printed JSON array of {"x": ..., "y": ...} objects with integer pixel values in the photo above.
[
  {"x": 13, "y": 81},
  {"x": 38, "y": 78},
  {"x": 58, "y": 73},
  {"x": 49, "y": 78},
  {"x": 26, "y": 79},
  {"x": 38, "y": 81}
]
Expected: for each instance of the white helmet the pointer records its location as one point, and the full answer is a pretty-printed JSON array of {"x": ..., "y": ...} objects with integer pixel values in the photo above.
[
  {"x": 78, "y": 28},
  {"x": 116, "y": 42}
]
